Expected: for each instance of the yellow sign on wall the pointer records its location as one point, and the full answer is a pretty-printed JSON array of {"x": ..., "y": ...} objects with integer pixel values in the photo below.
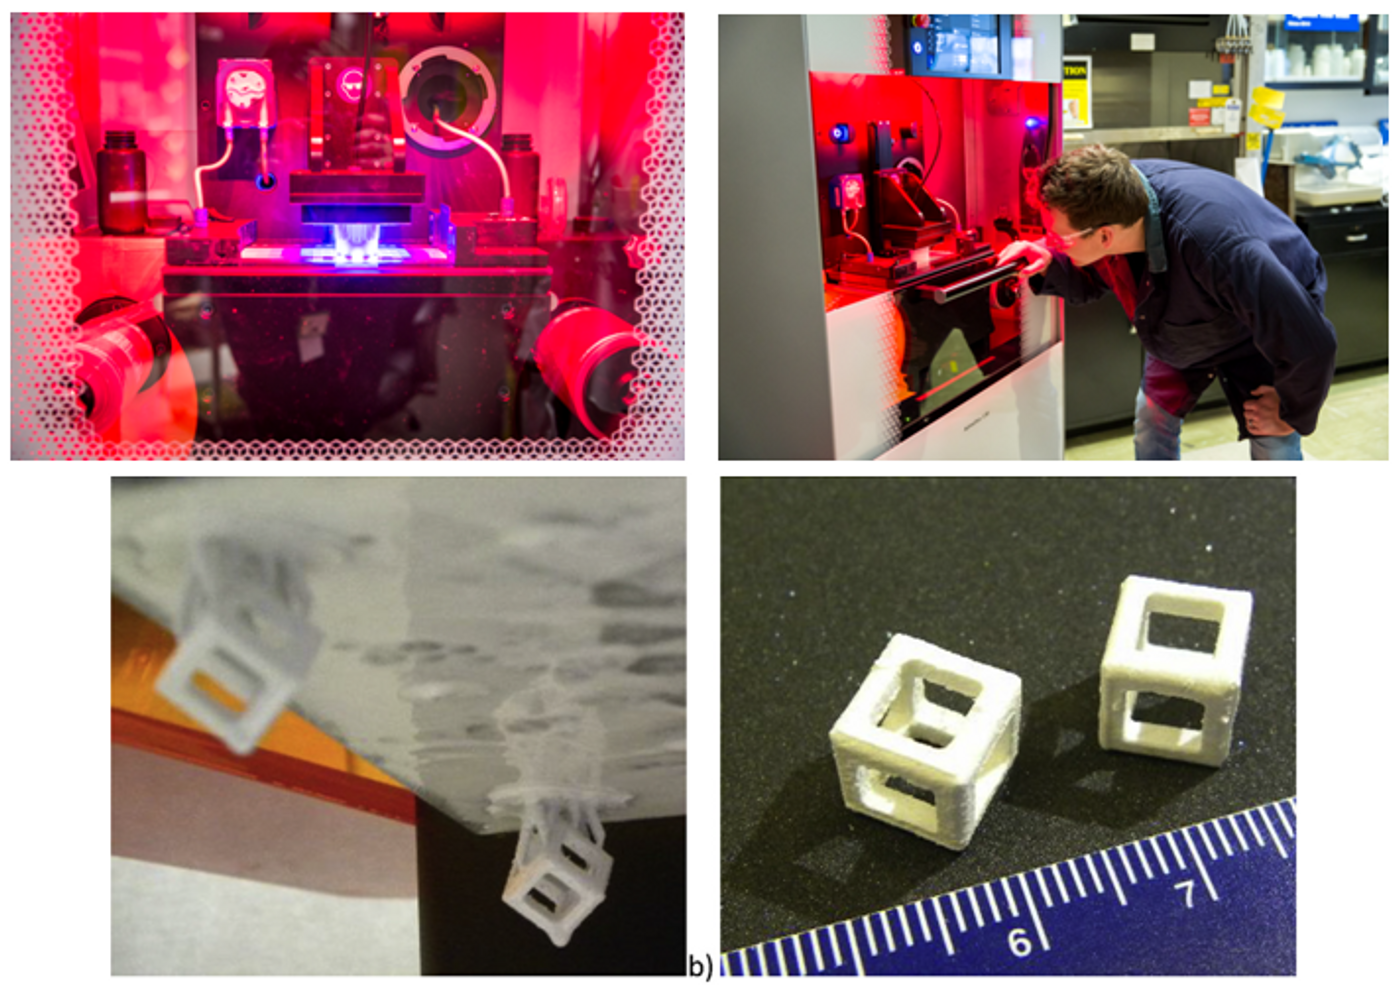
[{"x": 1076, "y": 97}]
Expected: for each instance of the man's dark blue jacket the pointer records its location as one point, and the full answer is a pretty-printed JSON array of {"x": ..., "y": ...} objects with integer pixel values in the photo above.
[{"x": 1226, "y": 273}]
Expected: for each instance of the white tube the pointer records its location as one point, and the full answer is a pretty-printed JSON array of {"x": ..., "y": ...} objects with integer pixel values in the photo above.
[
  {"x": 845, "y": 225},
  {"x": 505, "y": 178},
  {"x": 957, "y": 220},
  {"x": 198, "y": 184}
]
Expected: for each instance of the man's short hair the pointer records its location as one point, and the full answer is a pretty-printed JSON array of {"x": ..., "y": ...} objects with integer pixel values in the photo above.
[{"x": 1093, "y": 186}]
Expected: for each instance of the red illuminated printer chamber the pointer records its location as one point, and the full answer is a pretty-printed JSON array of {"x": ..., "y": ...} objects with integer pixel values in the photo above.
[
  {"x": 359, "y": 226},
  {"x": 922, "y": 183}
]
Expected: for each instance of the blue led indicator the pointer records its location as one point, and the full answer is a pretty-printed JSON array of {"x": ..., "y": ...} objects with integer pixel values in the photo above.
[
  {"x": 1033, "y": 122},
  {"x": 841, "y": 134},
  {"x": 918, "y": 47}
]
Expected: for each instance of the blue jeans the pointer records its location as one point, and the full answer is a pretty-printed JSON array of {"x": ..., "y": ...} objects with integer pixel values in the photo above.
[{"x": 1157, "y": 437}]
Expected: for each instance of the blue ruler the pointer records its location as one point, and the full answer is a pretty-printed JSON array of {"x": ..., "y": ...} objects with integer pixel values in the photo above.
[{"x": 1217, "y": 897}]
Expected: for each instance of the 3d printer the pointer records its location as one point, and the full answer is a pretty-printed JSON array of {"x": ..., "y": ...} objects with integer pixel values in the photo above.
[
  {"x": 862, "y": 310},
  {"x": 379, "y": 242},
  {"x": 922, "y": 183}
]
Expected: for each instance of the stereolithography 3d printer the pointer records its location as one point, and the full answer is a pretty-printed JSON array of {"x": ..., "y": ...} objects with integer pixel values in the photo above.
[
  {"x": 361, "y": 226},
  {"x": 865, "y": 314}
]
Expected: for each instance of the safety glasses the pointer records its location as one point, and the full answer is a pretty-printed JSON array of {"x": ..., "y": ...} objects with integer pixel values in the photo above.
[{"x": 1065, "y": 242}]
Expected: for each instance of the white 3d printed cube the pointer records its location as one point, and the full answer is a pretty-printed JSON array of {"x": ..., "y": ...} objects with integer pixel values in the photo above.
[
  {"x": 560, "y": 873},
  {"x": 1133, "y": 666},
  {"x": 246, "y": 644},
  {"x": 911, "y": 752}
]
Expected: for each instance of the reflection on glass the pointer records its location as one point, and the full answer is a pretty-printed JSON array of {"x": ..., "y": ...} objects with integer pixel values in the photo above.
[{"x": 1315, "y": 48}]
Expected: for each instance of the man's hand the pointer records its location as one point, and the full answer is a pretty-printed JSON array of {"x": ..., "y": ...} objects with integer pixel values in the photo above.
[
  {"x": 1037, "y": 257},
  {"x": 1261, "y": 416}
]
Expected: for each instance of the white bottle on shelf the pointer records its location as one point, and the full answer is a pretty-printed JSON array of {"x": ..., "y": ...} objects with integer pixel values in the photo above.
[
  {"x": 1357, "y": 61},
  {"x": 1322, "y": 61},
  {"x": 1297, "y": 61}
]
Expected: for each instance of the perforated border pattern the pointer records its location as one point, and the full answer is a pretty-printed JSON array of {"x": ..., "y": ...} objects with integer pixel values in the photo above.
[
  {"x": 880, "y": 44},
  {"x": 890, "y": 339},
  {"x": 45, "y": 421},
  {"x": 44, "y": 418}
]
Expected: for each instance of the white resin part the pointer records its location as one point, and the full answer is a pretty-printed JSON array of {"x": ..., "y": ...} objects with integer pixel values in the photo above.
[
  {"x": 560, "y": 873},
  {"x": 907, "y": 756},
  {"x": 1132, "y": 665},
  {"x": 244, "y": 631}
]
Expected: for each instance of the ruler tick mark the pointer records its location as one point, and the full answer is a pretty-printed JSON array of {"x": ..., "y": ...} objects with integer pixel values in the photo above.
[
  {"x": 1035, "y": 914},
  {"x": 976, "y": 910},
  {"x": 957, "y": 913},
  {"x": 1127, "y": 866},
  {"x": 1010, "y": 900},
  {"x": 869, "y": 936},
  {"x": 992, "y": 899},
  {"x": 1244, "y": 842},
  {"x": 782, "y": 961},
  {"x": 1078, "y": 882},
  {"x": 889, "y": 934},
  {"x": 1113, "y": 876},
  {"x": 855, "y": 949},
  {"x": 801, "y": 960},
  {"x": 762, "y": 961},
  {"x": 1044, "y": 893},
  {"x": 1205, "y": 840},
  {"x": 1093, "y": 871},
  {"x": 816, "y": 943},
  {"x": 835, "y": 947},
  {"x": 1059, "y": 881},
  {"x": 1273, "y": 834},
  {"x": 923, "y": 921},
  {"x": 1284, "y": 818},
  {"x": 1191, "y": 845},
  {"x": 1157, "y": 850},
  {"x": 942, "y": 926},
  {"x": 1142, "y": 859},
  {"x": 904, "y": 923},
  {"x": 1171, "y": 842},
  {"x": 1224, "y": 838},
  {"x": 1249, "y": 819}
]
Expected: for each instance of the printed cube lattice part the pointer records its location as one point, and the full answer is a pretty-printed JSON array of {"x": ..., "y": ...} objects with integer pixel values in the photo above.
[
  {"x": 560, "y": 873},
  {"x": 1133, "y": 666},
  {"x": 246, "y": 643},
  {"x": 927, "y": 740}
]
